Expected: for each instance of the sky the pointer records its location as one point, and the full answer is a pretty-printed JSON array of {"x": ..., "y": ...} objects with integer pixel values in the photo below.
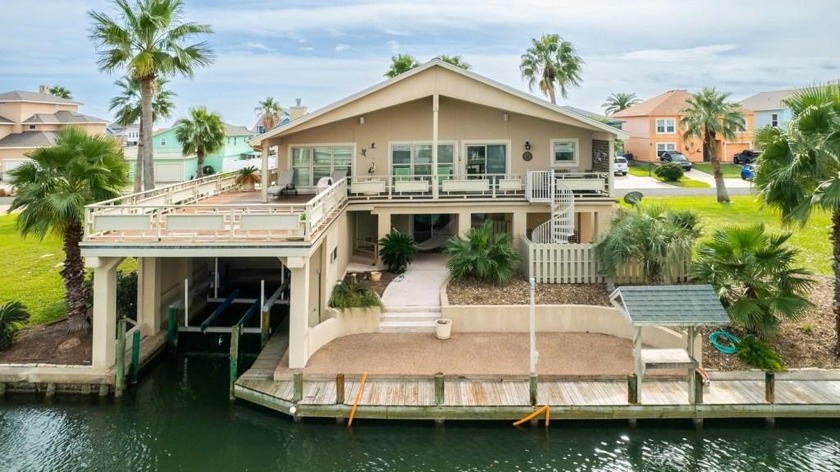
[{"x": 321, "y": 52}]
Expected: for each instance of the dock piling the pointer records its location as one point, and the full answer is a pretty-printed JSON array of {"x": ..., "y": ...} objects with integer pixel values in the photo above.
[
  {"x": 265, "y": 324},
  {"x": 135, "y": 357},
  {"x": 103, "y": 390},
  {"x": 50, "y": 393},
  {"x": 297, "y": 392},
  {"x": 698, "y": 388},
  {"x": 532, "y": 389},
  {"x": 119, "y": 381},
  {"x": 632, "y": 389},
  {"x": 439, "y": 386},
  {"x": 2, "y": 389},
  {"x": 234, "y": 359},
  {"x": 770, "y": 387},
  {"x": 172, "y": 329},
  {"x": 339, "y": 389}
]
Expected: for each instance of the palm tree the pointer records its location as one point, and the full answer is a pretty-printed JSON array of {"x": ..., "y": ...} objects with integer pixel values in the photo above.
[
  {"x": 201, "y": 134},
  {"x": 619, "y": 101},
  {"x": 147, "y": 41},
  {"x": 128, "y": 106},
  {"x": 270, "y": 112},
  {"x": 752, "y": 272},
  {"x": 59, "y": 91},
  {"x": 483, "y": 255},
  {"x": 551, "y": 62},
  {"x": 401, "y": 63},
  {"x": 710, "y": 114},
  {"x": 53, "y": 188},
  {"x": 799, "y": 168},
  {"x": 659, "y": 239},
  {"x": 456, "y": 61}
]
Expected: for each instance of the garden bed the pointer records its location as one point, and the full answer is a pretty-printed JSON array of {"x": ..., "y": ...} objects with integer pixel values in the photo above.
[
  {"x": 51, "y": 343},
  {"x": 470, "y": 292},
  {"x": 378, "y": 286}
]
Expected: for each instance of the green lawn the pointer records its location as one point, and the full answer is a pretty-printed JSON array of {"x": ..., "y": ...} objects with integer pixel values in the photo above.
[
  {"x": 812, "y": 240},
  {"x": 645, "y": 169},
  {"x": 687, "y": 182},
  {"x": 730, "y": 171}
]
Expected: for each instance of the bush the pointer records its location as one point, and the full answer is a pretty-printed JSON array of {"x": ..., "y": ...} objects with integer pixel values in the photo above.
[
  {"x": 398, "y": 250},
  {"x": 13, "y": 315},
  {"x": 757, "y": 353},
  {"x": 669, "y": 172},
  {"x": 126, "y": 293},
  {"x": 354, "y": 295},
  {"x": 482, "y": 256}
]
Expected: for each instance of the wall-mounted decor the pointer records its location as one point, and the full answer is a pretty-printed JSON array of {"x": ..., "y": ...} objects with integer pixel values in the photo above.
[{"x": 527, "y": 156}]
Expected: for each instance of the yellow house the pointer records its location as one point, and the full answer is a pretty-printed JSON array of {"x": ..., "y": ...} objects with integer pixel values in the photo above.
[
  {"x": 654, "y": 127},
  {"x": 436, "y": 150}
]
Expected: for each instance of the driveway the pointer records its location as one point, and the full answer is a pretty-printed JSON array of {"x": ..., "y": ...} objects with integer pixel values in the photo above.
[{"x": 653, "y": 187}]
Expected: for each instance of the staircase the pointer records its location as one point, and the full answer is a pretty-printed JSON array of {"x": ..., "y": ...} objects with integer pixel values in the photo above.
[
  {"x": 409, "y": 319},
  {"x": 542, "y": 186}
]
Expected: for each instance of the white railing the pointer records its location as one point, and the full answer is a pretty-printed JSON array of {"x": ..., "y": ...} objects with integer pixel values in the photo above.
[
  {"x": 450, "y": 186},
  {"x": 543, "y": 186}
]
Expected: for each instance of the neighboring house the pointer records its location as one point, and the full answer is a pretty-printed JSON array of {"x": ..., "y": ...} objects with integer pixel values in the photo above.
[
  {"x": 172, "y": 166},
  {"x": 595, "y": 116},
  {"x": 768, "y": 107},
  {"x": 286, "y": 116},
  {"x": 29, "y": 120},
  {"x": 654, "y": 127},
  {"x": 128, "y": 136}
]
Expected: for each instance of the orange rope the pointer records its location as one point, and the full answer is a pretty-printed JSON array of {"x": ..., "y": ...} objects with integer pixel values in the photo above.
[
  {"x": 356, "y": 401},
  {"x": 535, "y": 414}
]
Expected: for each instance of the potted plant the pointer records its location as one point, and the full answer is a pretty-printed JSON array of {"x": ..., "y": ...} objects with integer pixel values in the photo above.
[
  {"x": 398, "y": 250},
  {"x": 443, "y": 328},
  {"x": 247, "y": 178}
]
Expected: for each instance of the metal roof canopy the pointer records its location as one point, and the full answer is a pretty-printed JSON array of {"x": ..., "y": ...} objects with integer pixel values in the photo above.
[{"x": 670, "y": 305}]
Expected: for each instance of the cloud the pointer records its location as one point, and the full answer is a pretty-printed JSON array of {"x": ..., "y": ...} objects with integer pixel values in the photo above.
[
  {"x": 687, "y": 54},
  {"x": 259, "y": 46},
  {"x": 393, "y": 46},
  {"x": 342, "y": 47}
]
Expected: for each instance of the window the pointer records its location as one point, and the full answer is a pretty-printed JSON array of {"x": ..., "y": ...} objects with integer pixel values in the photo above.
[
  {"x": 483, "y": 159},
  {"x": 662, "y": 147},
  {"x": 416, "y": 159},
  {"x": 666, "y": 126},
  {"x": 313, "y": 163},
  {"x": 31, "y": 126},
  {"x": 260, "y": 129},
  {"x": 163, "y": 141},
  {"x": 564, "y": 152},
  {"x": 774, "y": 120}
]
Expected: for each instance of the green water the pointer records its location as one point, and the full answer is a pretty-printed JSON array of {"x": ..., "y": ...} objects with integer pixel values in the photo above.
[{"x": 179, "y": 418}]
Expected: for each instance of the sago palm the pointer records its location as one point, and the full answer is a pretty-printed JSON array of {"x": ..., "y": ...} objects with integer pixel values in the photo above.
[
  {"x": 619, "y": 101},
  {"x": 754, "y": 275},
  {"x": 201, "y": 134},
  {"x": 147, "y": 40},
  {"x": 54, "y": 186},
  {"x": 551, "y": 62},
  {"x": 13, "y": 316},
  {"x": 397, "y": 251},
  {"x": 799, "y": 168},
  {"x": 710, "y": 114},
  {"x": 269, "y": 110},
  {"x": 483, "y": 255},
  {"x": 401, "y": 63}
]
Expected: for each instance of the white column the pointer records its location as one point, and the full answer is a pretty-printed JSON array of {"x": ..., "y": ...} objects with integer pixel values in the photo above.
[
  {"x": 464, "y": 223},
  {"x": 104, "y": 310},
  {"x": 148, "y": 295},
  {"x": 298, "y": 312},
  {"x": 435, "y": 107},
  {"x": 265, "y": 176}
]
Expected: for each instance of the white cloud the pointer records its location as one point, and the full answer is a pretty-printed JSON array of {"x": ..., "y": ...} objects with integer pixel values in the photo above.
[
  {"x": 259, "y": 46},
  {"x": 342, "y": 47},
  {"x": 686, "y": 54},
  {"x": 393, "y": 46}
]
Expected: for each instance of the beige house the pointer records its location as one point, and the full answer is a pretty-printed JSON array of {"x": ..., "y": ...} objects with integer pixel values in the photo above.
[
  {"x": 29, "y": 120},
  {"x": 432, "y": 152}
]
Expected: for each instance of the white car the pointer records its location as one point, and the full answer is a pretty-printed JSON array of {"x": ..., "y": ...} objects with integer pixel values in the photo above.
[{"x": 620, "y": 167}]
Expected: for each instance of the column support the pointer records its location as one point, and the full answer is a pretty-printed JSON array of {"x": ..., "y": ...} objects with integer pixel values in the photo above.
[
  {"x": 148, "y": 295},
  {"x": 264, "y": 171},
  {"x": 464, "y": 223},
  {"x": 104, "y": 310},
  {"x": 298, "y": 313}
]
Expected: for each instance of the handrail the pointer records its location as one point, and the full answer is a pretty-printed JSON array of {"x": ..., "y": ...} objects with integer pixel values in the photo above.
[
  {"x": 219, "y": 310},
  {"x": 248, "y": 313}
]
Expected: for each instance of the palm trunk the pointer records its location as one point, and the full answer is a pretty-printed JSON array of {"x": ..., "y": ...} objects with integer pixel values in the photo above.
[
  {"x": 835, "y": 236},
  {"x": 199, "y": 160},
  {"x": 146, "y": 133},
  {"x": 138, "y": 163},
  {"x": 552, "y": 95},
  {"x": 73, "y": 274},
  {"x": 720, "y": 184}
]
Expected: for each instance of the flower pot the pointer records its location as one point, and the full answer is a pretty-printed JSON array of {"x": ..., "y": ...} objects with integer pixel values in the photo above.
[
  {"x": 375, "y": 276},
  {"x": 443, "y": 328}
]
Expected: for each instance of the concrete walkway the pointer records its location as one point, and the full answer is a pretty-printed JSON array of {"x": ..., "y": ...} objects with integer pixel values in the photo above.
[{"x": 420, "y": 285}]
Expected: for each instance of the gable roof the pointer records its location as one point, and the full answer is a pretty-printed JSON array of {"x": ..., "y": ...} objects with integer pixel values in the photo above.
[
  {"x": 670, "y": 305},
  {"x": 34, "y": 97},
  {"x": 63, "y": 117},
  {"x": 234, "y": 130},
  {"x": 437, "y": 63},
  {"x": 767, "y": 100},
  {"x": 28, "y": 139},
  {"x": 668, "y": 103},
  {"x": 4, "y": 121}
]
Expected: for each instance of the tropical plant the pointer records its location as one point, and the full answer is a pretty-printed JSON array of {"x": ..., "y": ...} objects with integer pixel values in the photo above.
[
  {"x": 248, "y": 177},
  {"x": 201, "y": 134},
  {"x": 484, "y": 255},
  {"x": 13, "y": 316},
  {"x": 354, "y": 295},
  {"x": 54, "y": 186},
  {"x": 551, "y": 62},
  {"x": 129, "y": 111},
  {"x": 456, "y": 61},
  {"x": 146, "y": 40},
  {"x": 659, "y": 239},
  {"x": 126, "y": 293},
  {"x": 269, "y": 110},
  {"x": 59, "y": 91},
  {"x": 619, "y": 101},
  {"x": 799, "y": 168},
  {"x": 398, "y": 250},
  {"x": 401, "y": 63},
  {"x": 710, "y": 114},
  {"x": 670, "y": 172},
  {"x": 757, "y": 353},
  {"x": 753, "y": 273}
]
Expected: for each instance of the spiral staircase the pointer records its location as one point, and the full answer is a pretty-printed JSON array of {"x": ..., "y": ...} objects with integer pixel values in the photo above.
[{"x": 543, "y": 187}]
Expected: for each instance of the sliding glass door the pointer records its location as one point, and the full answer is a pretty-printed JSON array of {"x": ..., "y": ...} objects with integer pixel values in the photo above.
[{"x": 484, "y": 159}]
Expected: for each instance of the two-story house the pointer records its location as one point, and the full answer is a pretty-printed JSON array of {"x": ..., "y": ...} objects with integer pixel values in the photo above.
[
  {"x": 435, "y": 149},
  {"x": 29, "y": 120},
  {"x": 654, "y": 127},
  {"x": 768, "y": 107}
]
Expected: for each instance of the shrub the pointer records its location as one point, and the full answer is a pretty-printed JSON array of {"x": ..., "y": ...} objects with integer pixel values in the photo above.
[
  {"x": 669, "y": 172},
  {"x": 482, "y": 256},
  {"x": 398, "y": 250},
  {"x": 13, "y": 315},
  {"x": 126, "y": 293},
  {"x": 757, "y": 353},
  {"x": 248, "y": 176},
  {"x": 354, "y": 295}
]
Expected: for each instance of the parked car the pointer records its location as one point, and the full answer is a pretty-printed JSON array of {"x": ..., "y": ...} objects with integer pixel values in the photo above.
[
  {"x": 747, "y": 156},
  {"x": 620, "y": 167},
  {"x": 677, "y": 158},
  {"x": 748, "y": 171}
]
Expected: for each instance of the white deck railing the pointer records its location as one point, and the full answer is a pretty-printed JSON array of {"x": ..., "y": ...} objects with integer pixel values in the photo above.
[{"x": 422, "y": 186}]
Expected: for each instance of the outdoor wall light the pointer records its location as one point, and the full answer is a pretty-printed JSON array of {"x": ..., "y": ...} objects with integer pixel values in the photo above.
[
  {"x": 527, "y": 146},
  {"x": 505, "y": 117},
  {"x": 361, "y": 120}
]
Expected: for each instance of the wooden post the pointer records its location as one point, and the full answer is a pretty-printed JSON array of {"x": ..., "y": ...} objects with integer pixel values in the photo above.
[
  {"x": 234, "y": 358},
  {"x": 532, "y": 389},
  {"x": 135, "y": 357},
  {"x": 770, "y": 387},
  {"x": 698, "y": 387},
  {"x": 264, "y": 326},
  {"x": 119, "y": 381},
  {"x": 172, "y": 330},
  {"x": 297, "y": 393},
  {"x": 632, "y": 389},
  {"x": 2, "y": 389},
  {"x": 439, "y": 392},
  {"x": 103, "y": 390},
  {"x": 339, "y": 389}
]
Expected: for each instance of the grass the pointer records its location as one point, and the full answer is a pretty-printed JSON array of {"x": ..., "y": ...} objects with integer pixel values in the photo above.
[
  {"x": 687, "y": 182},
  {"x": 812, "y": 241},
  {"x": 30, "y": 272},
  {"x": 645, "y": 169},
  {"x": 730, "y": 171}
]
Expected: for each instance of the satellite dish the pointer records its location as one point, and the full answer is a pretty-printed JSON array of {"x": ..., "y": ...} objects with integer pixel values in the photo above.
[{"x": 632, "y": 198}]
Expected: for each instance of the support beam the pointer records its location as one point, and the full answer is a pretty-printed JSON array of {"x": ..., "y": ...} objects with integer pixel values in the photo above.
[
  {"x": 586, "y": 229},
  {"x": 148, "y": 295},
  {"x": 104, "y": 310},
  {"x": 435, "y": 126},
  {"x": 464, "y": 223},
  {"x": 298, "y": 317},
  {"x": 519, "y": 225},
  {"x": 264, "y": 171}
]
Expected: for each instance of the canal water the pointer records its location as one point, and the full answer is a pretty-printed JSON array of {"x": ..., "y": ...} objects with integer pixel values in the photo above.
[{"x": 179, "y": 418}]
